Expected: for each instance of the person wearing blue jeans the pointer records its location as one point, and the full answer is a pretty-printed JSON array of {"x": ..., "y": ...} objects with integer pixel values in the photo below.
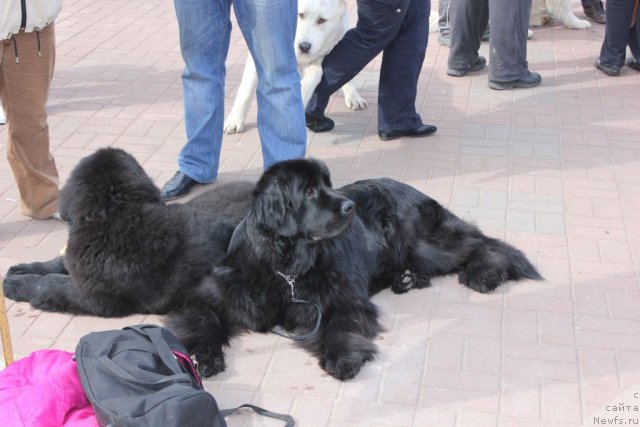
[
  {"x": 400, "y": 30},
  {"x": 268, "y": 27}
]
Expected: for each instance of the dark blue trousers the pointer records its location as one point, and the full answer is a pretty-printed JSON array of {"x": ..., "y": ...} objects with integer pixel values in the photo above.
[
  {"x": 400, "y": 30},
  {"x": 619, "y": 33}
]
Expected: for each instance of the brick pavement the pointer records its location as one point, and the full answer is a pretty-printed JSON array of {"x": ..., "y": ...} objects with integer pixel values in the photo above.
[{"x": 554, "y": 170}]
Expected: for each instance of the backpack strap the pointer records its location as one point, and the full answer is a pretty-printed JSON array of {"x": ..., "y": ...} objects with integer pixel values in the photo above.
[{"x": 288, "y": 419}]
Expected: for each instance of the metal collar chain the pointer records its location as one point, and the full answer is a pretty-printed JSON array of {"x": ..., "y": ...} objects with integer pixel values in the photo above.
[
  {"x": 291, "y": 280},
  {"x": 279, "y": 330}
]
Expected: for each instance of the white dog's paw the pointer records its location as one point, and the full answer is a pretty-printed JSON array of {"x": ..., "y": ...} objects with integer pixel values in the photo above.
[
  {"x": 233, "y": 125},
  {"x": 541, "y": 21},
  {"x": 355, "y": 101},
  {"x": 578, "y": 24},
  {"x": 529, "y": 34}
]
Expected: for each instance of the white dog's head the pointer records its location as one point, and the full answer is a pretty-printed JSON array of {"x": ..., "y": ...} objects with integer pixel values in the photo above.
[{"x": 321, "y": 24}]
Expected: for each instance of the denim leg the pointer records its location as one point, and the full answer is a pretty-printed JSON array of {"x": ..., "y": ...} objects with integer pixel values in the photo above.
[
  {"x": 205, "y": 29},
  {"x": 378, "y": 23},
  {"x": 401, "y": 65},
  {"x": 508, "y": 44},
  {"x": 269, "y": 28},
  {"x": 616, "y": 33}
]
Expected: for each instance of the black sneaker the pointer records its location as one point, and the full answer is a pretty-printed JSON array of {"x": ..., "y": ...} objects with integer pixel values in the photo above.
[
  {"x": 485, "y": 35},
  {"x": 477, "y": 65},
  {"x": 323, "y": 124},
  {"x": 609, "y": 70},
  {"x": 445, "y": 40},
  {"x": 532, "y": 79},
  {"x": 633, "y": 64}
]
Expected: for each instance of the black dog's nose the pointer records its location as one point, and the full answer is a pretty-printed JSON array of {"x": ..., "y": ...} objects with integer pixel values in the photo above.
[
  {"x": 304, "y": 47},
  {"x": 347, "y": 207}
]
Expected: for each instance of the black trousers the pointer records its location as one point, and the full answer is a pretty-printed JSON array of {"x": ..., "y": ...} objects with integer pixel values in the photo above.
[
  {"x": 619, "y": 33},
  {"x": 400, "y": 30}
]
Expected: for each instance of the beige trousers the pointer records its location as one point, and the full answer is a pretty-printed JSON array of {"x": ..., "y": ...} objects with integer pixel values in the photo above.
[{"x": 24, "y": 91}]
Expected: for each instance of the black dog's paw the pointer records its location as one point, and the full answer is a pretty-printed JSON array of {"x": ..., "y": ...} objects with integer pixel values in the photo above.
[
  {"x": 20, "y": 287},
  {"x": 55, "y": 265},
  {"x": 48, "y": 301},
  {"x": 404, "y": 282},
  {"x": 342, "y": 369},
  {"x": 20, "y": 269},
  {"x": 408, "y": 280},
  {"x": 345, "y": 367},
  {"x": 209, "y": 363},
  {"x": 483, "y": 281}
]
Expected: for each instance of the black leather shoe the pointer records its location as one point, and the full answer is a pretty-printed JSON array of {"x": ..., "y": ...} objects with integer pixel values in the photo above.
[
  {"x": 532, "y": 79},
  {"x": 177, "y": 186},
  {"x": 633, "y": 64},
  {"x": 609, "y": 70},
  {"x": 323, "y": 124},
  {"x": 422, "y": 130}
]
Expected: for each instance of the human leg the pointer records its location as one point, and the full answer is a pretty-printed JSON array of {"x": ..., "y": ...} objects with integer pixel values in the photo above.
[
  {"x": 205, "y": 29},
  {"x": 634, "y": 43},
  {"x": 280, "y": 111},
  {"x": 24, "y": 90},
  {"x": 402, "y": 61},
  {"x": 508, "y": 44},
  {"x": 378, "y": 24},
  {"x": 468, "y": 19},
  {"x": 616, "y": 36},
  {"x": 444, "y": 26}
]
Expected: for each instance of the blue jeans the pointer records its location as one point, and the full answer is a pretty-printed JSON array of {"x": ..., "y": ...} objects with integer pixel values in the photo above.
[{"x": 268, "y": 27}]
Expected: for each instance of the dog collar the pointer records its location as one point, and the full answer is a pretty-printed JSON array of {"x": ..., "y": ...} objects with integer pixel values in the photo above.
[{"x": 279, "y": 330}]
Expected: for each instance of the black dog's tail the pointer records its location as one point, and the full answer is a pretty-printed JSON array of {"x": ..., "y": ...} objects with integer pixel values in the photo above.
[
  {"x": 493, "y": 262},
  {"x": 518, "y": 266}
]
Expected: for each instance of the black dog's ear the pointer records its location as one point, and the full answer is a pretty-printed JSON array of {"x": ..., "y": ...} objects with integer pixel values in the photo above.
[
  {"x": 326, "y": 175},
  {"x": 271, "y": 208}
]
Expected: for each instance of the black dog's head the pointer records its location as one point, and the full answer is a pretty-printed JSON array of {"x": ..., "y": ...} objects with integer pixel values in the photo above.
[
  {"x": 102, "y": 183},
  {"x": 294, "y": 198}
]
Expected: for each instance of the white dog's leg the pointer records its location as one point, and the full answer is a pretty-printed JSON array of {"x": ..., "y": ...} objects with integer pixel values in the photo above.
[
  {"x": 539, "y": 14},
  {"x": 310, "y": 76},
  {"x": 246, "y": 91},
  {"x": 352, "y": 98},
  {"x": 562, "y": 10}
]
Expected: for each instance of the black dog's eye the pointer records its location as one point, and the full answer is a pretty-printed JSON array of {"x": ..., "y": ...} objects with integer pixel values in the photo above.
[
  {"x": 321, "y": 21},
  {"x": 309, "y": 192}
]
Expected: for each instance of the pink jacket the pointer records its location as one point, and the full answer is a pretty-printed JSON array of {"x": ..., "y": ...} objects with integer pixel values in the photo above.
[{"x": 44, "y": 390}]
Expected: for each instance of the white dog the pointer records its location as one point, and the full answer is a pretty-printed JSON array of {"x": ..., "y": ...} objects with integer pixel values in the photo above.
[
  {"x": 321, "y": 25},
  {"x": 543, "y": 12}
]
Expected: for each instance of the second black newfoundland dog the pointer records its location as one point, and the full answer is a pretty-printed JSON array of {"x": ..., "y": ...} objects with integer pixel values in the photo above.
[
  {"x": 307, "y": 258},
  {"x": 128, "y": 252}
]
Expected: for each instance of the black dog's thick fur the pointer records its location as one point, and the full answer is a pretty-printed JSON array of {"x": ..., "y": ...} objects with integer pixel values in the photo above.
[
  {"x": 128, "y": 252},
  {"x": 338, "y": 253}
]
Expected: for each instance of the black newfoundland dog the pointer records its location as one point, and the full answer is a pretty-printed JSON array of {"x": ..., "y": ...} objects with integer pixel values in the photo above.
[
  {"x": 128, "y": 252},
  {"x": 307, "y": 258}
]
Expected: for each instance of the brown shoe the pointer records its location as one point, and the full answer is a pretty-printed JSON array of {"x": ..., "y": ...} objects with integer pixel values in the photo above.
[{"x": 595, "y": 11}]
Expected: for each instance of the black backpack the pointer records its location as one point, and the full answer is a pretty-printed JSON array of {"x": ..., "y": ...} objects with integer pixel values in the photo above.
[{"x": 142, "y": 376}]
